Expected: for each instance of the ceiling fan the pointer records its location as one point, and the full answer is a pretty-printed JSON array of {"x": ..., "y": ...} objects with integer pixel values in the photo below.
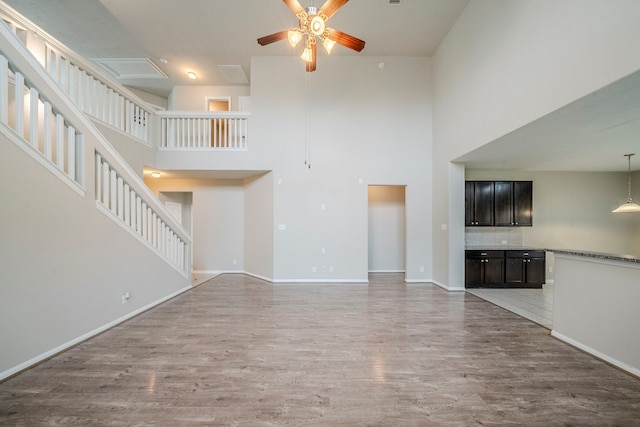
[{"x": 312, "y": 26}]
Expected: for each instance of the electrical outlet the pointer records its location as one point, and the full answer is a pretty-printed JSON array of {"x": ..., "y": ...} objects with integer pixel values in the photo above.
[
  {"x": 314, "y": 269},
  {"x": 421, "y": 269},
  {"x": 125, "y": 297},
  {"x": 331, "y": 269},
  {"x": 323, "y": 269}
]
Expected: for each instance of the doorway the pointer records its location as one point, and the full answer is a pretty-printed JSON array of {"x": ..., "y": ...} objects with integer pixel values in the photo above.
[
  {"x": 219, "y": 128},
  {"x": 387, "y": 229}
]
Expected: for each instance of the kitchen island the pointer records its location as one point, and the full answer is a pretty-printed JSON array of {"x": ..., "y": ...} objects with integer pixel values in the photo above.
[{"x": 597, "y": 305}]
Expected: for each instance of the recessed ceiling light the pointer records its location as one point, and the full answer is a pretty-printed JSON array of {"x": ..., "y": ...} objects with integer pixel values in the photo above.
[
  {"x": 192, "y": 75},
  {"x": 155, "y": 174}
]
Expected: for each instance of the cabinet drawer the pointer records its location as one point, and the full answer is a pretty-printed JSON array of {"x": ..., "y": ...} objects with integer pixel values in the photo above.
[
  {"x": 484, "y": 254},
  {"x": 525, "y": 254}
]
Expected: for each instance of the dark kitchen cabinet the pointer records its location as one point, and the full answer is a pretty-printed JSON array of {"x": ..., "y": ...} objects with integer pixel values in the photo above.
[
  {"x": 523, "y": 203},
  {"x": 510, "y": 203},
  {"x": 525, "y": 269},
  {"x": 479, "y": 200},
  {"x": 484, "y": 268},
  {"x": 504, "y": 269}
]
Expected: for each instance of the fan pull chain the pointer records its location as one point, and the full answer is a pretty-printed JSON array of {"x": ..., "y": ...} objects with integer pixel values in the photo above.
[{"x": 307, "y": 124}]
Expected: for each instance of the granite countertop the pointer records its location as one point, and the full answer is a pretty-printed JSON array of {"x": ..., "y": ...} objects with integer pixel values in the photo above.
[
  {"x": 501, "y": 248},
  {"x": 598, "y": 255},
  {"x": 589, "y": 254}
]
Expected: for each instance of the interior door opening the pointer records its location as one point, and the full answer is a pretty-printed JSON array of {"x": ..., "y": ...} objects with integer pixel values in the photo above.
[{"x": 387, "y": 229}]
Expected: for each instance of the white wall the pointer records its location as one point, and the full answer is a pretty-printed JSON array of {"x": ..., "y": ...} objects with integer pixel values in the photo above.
[
  {"x": 506, "y": 63},
  {"x": 258, "y": 226},
  {"x": 193, "y": 98},
  {"x": 386, "y": 228},
  {"x": 136, "y": 154},
  {"x": 218, "y": 220},
  {"x": 368, "y": 126},
  {"x": 155, "y": 100},
  {"x": 63, "y": 264}
]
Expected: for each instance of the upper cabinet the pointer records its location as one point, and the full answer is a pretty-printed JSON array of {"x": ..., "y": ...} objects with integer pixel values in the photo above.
[
  {"x": 479, "y": 200},
  {"x": 499, "y": 203}
]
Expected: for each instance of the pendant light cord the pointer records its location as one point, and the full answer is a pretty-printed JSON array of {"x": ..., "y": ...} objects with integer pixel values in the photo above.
[{"x": 629, "y": 172}]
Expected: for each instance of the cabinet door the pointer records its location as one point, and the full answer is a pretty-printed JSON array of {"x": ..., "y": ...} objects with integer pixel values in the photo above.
[
  {"x": 504, "y": 203},
  {"x": 515, "y": 271},
  {"x": 483, "y": 202},
  {"x": 523, "y": 203},
  {"x": 469, "y": 197},
  {"x": 535, "y": 274},
  {"x": 473, "y": 272},
  {"x": 494, "y": 270}
]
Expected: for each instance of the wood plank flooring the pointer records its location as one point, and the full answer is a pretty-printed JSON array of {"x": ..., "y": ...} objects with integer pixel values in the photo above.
[{"x": 237, "y": 351}]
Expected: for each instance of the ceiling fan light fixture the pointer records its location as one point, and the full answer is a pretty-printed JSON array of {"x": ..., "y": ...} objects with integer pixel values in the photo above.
[
  {"x": 328, "y": 44},
  {"x": 307, "y": 55},
  {"x": 317, "y": 25},
  {"x": 628, "y": 206},
  {"x": 294, "y": 36}
]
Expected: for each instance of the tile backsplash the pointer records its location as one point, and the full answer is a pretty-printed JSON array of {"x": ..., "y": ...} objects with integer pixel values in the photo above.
[{"x": 493, "y": 236}]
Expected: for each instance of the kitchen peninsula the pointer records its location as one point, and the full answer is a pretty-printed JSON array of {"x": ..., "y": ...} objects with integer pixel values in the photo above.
[{"x": 596, "y": 305}]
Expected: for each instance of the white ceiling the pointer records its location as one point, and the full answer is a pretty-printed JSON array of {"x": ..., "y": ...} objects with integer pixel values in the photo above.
[
  {"x": 200, "y": 35},
  {"x": 591, "y": 134}
]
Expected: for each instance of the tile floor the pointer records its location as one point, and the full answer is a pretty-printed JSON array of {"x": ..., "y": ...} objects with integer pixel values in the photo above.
[{"x": 533, "y": 304}]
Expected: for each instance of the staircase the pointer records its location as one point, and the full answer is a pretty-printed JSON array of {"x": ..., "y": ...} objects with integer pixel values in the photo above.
[{"x": 84, "y": 244}]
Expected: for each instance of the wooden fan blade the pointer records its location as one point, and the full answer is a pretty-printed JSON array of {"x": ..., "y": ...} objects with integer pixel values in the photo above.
[
  {"x": 330, "y": 7},
  {"x": 311, "y": 66},
  {"x": 272, "y": 38},
  {"x": 295, "y": 7},
  {"x": 346, "y": 40}
]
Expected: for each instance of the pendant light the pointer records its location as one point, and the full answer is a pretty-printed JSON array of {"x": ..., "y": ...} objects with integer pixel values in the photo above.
[{"x": 629, "y": 206}]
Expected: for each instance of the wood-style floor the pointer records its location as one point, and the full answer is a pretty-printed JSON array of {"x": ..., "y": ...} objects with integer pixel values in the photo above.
[{"x": 237, "y": 351}]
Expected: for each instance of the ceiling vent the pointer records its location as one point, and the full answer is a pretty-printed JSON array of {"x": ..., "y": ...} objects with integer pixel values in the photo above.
[
  {"x": 233, "y": 73},
  {"x": 131, "y": 68},
  {"x": 394, "y": 2}
]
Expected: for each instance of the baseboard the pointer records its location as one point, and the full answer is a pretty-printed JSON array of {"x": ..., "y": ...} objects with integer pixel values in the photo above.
[
  {"x": 49, "y": 354},
  {"x": 257, "y": 276},
  {"x": 325, "y": 281},
  {"x": 604, "y": 357},
  {"x": 448, "y": 288},
  {"x": 386, "y": 271}
]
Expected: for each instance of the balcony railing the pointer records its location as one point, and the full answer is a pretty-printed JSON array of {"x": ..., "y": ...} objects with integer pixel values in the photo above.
[{"x": 204, "y": 130}]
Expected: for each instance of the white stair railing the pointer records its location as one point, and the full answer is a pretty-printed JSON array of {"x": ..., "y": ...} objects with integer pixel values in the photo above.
[
  {"x": 39, "y": 118},
  {"x": 45, "y": 132},
  {"x": 97, "y": 98},
  {"x": 118, "y": 198},
  {"x": 204, "y": 130}
]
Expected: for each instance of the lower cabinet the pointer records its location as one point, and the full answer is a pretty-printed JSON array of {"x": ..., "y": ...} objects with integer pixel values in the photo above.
[
  {"x": 525, "y": 269},
  {"x": 484, "y": 268},
  {"x": 504, "y": 269}
]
